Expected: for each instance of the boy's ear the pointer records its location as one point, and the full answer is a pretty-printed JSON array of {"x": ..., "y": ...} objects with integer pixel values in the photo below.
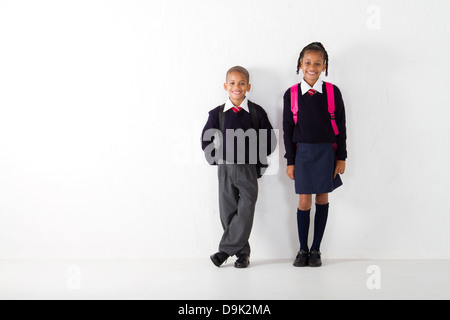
[
  {"x": 249, "y": 87},
  {"x": 225, "y": 87}
]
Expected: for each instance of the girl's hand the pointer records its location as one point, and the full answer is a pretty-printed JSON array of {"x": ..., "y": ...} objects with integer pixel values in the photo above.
[
  {"x": 290, "y": 172},
  {"x": 340, "y": 168}
]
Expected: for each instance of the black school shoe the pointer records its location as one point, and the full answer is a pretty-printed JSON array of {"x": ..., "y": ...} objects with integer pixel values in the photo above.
[
  {"x": 314, "y": 259},
  {"x": 242, "y": 262},
  {"x": 302, "y": 259},
  {"x": 219, "y": 258}
]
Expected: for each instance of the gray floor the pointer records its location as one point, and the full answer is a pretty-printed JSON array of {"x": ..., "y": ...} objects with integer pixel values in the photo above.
[{"x": 199, "y": 279}]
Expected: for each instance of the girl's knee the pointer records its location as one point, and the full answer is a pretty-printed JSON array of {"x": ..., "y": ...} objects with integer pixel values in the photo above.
[
  {"x": 322, "y": 198},
  {"x": 305, "y": 202}
]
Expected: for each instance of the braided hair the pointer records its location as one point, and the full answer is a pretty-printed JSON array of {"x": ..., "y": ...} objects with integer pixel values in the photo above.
[{"x": 315, "y": 46}]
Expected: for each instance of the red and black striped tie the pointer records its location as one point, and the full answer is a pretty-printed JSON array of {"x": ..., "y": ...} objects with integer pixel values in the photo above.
[
  {"x": 237, "y": 109},
  {"x": 311, "y": 92}
]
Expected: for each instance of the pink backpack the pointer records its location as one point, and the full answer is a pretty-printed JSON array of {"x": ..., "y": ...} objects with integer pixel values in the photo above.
[{"x": 331, "y": 106}]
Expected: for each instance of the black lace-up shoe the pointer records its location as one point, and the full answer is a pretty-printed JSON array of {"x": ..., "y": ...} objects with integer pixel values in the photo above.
[
  {"x": 219, "y": 258},
  {"x": 242, "y": 262},
  {"x": 302, "y": 259},
  {"x": 314, "y": 259}
]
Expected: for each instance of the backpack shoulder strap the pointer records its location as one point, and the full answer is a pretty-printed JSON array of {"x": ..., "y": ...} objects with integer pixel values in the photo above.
[
  {"x": 254, "y": 115},
  {"x": 221, "y": 118},
  {"x": 260, "y": 166},
  {"x": 294, "y": 101},
  {"x": 331, "y": 106}
]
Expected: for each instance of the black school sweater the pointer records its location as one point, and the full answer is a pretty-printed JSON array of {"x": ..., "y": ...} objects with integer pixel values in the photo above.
[
  {"x": 314, "y": 123},
  {"x": 234, "y": 121}
]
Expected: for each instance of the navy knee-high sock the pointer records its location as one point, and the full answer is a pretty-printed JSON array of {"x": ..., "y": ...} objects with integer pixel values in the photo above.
[
  {"x": 303, "y": 228},
  {"x": 320, "y": 221}
]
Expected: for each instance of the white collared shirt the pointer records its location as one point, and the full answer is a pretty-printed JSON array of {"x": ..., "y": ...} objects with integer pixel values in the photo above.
[
  {"x": 229, "y": 105},
  {"x": 306, "y": 87}
]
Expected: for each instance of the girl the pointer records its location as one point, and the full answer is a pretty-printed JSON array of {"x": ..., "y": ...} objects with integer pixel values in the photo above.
[{"x": 315, "y": 142}]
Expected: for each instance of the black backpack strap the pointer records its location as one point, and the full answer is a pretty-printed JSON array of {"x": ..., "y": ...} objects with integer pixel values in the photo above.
[
  {"x": 221, "y": 118},
  {"x": 261, "y": 168},
  {"x": 254, "y": 115}
]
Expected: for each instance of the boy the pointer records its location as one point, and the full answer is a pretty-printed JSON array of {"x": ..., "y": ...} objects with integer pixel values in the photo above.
[{"x": 244, "y": 133}]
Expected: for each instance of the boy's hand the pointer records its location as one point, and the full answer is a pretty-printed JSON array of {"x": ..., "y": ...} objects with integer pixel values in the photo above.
[
  {"x": 340, "y": 168},
  {"x": 290, "y": 172}
]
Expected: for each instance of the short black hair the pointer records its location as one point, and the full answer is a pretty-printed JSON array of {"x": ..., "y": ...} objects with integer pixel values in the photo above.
[
  {"x": 240, "y": 70},
  {"x": 315, "y": 46}
]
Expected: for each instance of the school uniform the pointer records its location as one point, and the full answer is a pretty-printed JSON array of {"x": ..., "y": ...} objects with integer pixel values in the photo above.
[
  {"x": 309, "y": 144},
  {"x": 237, "y": 173}
]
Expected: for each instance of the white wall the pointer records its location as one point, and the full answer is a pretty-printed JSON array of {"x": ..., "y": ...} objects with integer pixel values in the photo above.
[{"x": 102, "y": 105}]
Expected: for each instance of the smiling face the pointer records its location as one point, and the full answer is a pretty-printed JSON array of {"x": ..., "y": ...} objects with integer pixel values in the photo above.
[
  {"x": 237, "y": 86},
  {"x": 312, "y": 66}
]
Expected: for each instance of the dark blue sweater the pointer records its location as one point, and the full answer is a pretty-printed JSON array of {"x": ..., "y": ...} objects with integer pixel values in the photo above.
[
  {"x": 234, "y": 121},
  {"x": 314, "y": 125}
]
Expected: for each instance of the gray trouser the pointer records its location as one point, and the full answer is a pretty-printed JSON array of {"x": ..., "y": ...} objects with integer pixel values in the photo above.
[{"x": 238, "y": 192}]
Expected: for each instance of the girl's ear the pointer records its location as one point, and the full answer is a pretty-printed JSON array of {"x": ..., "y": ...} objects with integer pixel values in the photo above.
[{"x": 324, "y": 67}]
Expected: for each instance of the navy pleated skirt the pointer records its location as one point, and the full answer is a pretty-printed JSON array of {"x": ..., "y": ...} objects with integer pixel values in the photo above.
[{"x": 314, "y": 168}]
